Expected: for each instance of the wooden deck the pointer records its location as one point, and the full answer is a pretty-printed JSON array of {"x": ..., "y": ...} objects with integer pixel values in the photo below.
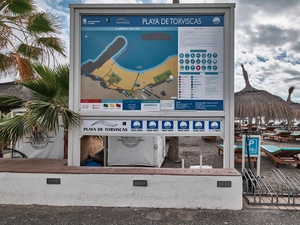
[{"x": 59, "y": 166}]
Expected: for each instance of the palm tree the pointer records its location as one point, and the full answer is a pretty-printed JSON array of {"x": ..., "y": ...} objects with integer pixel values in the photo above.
[
  {"x": 49, "y": 102},
  {"x": 27, "y": 36},
  {"x": 2, "y": 117}
]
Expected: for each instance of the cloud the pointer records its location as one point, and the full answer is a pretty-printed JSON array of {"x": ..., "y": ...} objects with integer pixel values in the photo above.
[{"x": 266, "y": 39}]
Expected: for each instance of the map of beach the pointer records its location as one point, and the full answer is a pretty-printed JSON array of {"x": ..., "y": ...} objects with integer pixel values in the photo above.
[{"x": 130, "y": 64}]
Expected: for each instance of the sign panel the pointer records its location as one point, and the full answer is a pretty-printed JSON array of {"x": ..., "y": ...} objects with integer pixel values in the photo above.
[
  {"x": 154, "y": 127},
  {"x": 152, "y": 63},
  {"x": 253, "y": 143}
]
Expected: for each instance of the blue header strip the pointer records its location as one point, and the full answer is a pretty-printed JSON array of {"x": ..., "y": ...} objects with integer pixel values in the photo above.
[{"x": 152, "y": 21}]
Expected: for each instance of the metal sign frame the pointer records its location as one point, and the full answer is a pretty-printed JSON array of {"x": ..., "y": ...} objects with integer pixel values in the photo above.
[{"x": 224, "y": 117}]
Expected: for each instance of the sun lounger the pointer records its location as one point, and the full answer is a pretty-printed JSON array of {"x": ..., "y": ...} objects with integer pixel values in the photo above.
[
  {"x": 209, "y": 138},
  {"x": 294, "y": 136},
  {"x": 238, "y": 154},
  {"x": 281, "y": 125},
  {"x": 268, "y": 129},
  {"x": 297, "y": 126},
  {"x": 280, "y": 135},
  {"x": 282, "y": 155}
]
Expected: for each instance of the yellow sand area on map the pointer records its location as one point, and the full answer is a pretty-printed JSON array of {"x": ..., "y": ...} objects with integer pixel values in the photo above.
[{"x": 130, "y": 78}]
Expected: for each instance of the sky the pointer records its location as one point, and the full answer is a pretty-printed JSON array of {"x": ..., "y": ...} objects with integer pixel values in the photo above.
[{"x": 267, "y": 39}]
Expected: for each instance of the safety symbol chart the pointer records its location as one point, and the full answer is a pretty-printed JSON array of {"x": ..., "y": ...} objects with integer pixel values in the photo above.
[{"x": 200, "y": 63}]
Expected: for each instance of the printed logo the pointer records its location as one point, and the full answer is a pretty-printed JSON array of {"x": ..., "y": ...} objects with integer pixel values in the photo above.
[
  {"x": 131, "y": 142},
  {"x": 105, "y": 123},
  {"x": 136, "y": 124},
  {"x": 39, "y": 142},
  {"x": 152, "y": 124},
  {"x": 122, "y": 21},
  {"x": 167, "y": 125},
  {"x": 216, "y": 20},
  {"x": 214, "y": 126},
  {"x": 199, "y": 125}
]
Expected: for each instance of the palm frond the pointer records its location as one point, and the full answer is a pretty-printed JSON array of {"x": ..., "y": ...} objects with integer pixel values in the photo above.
[
  {"x": 18, "y": 6},
  {"x": 24, "y": 67},
  {"x": 11, "y": 100},
  {"x": 13, "y": 129},
  {"x": 61, "y": 74},
  {"x": 57, "y": 79},
  {"x": 42, "y": 22},
  {"x": 53, "y": 43},
  {"x": 27, "y": 35},
  {"x": 30, "y": 51},
  {"x": 6, "y": 62},
  {"x": 44, "y": 72},
  {"x": 46, "y": 113},
  {"x": 70, "y": 118},
  {"x": 4, "y": 33},
  {"x": 41, "y": 89}
]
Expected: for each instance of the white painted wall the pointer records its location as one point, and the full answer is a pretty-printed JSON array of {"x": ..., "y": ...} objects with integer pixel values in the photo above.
[{"x": 163, "y": 191}]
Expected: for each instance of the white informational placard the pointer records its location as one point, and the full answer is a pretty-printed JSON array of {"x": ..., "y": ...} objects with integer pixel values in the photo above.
[
  {"x": 136, "y": 151},
  {"x": 200, "y": 62},
  {"x": 48, "y": 146}
]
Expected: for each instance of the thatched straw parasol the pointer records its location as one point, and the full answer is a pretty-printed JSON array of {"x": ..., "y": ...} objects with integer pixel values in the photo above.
[
  {"x": 13, "y": 89},
  {"x": 295, "y": 106},
  {"x": 254, "y": 103}
]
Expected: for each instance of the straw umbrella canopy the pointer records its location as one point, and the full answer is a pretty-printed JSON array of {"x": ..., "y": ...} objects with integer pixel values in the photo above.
[
  {"x": 295, "y": 106},
  {"x": 253, "y": 103},
  {"x": 13, "y": 89}
]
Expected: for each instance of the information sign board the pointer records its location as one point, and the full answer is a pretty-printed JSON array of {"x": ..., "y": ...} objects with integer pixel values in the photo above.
[
  {"x": 152, "y": 69},
  {"x": 137, "y": 62}
]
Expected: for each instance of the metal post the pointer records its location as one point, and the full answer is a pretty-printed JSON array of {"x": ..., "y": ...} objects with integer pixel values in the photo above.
[{"x": 247, "y": 147}]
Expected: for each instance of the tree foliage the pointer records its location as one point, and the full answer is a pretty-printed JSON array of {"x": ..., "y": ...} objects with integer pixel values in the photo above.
[
  {"x": 27, "y": 36},
  {"x": 49, "y": 102}
]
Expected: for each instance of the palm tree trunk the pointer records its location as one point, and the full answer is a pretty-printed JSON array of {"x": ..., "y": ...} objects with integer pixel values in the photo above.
[
  {"x": 173, "y": 152},
  {"x": 66, "y": 138}
]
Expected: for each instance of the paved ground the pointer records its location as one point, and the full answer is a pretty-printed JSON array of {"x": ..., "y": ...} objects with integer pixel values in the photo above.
[
  {"x": 48, "y": 215},
  {"x": 192, "y": 147}
]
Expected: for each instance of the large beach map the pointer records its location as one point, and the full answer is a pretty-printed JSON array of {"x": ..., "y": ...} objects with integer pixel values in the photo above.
[
  {"x": 129, "y": 65},
  {"x": 151, "y": 63}
]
